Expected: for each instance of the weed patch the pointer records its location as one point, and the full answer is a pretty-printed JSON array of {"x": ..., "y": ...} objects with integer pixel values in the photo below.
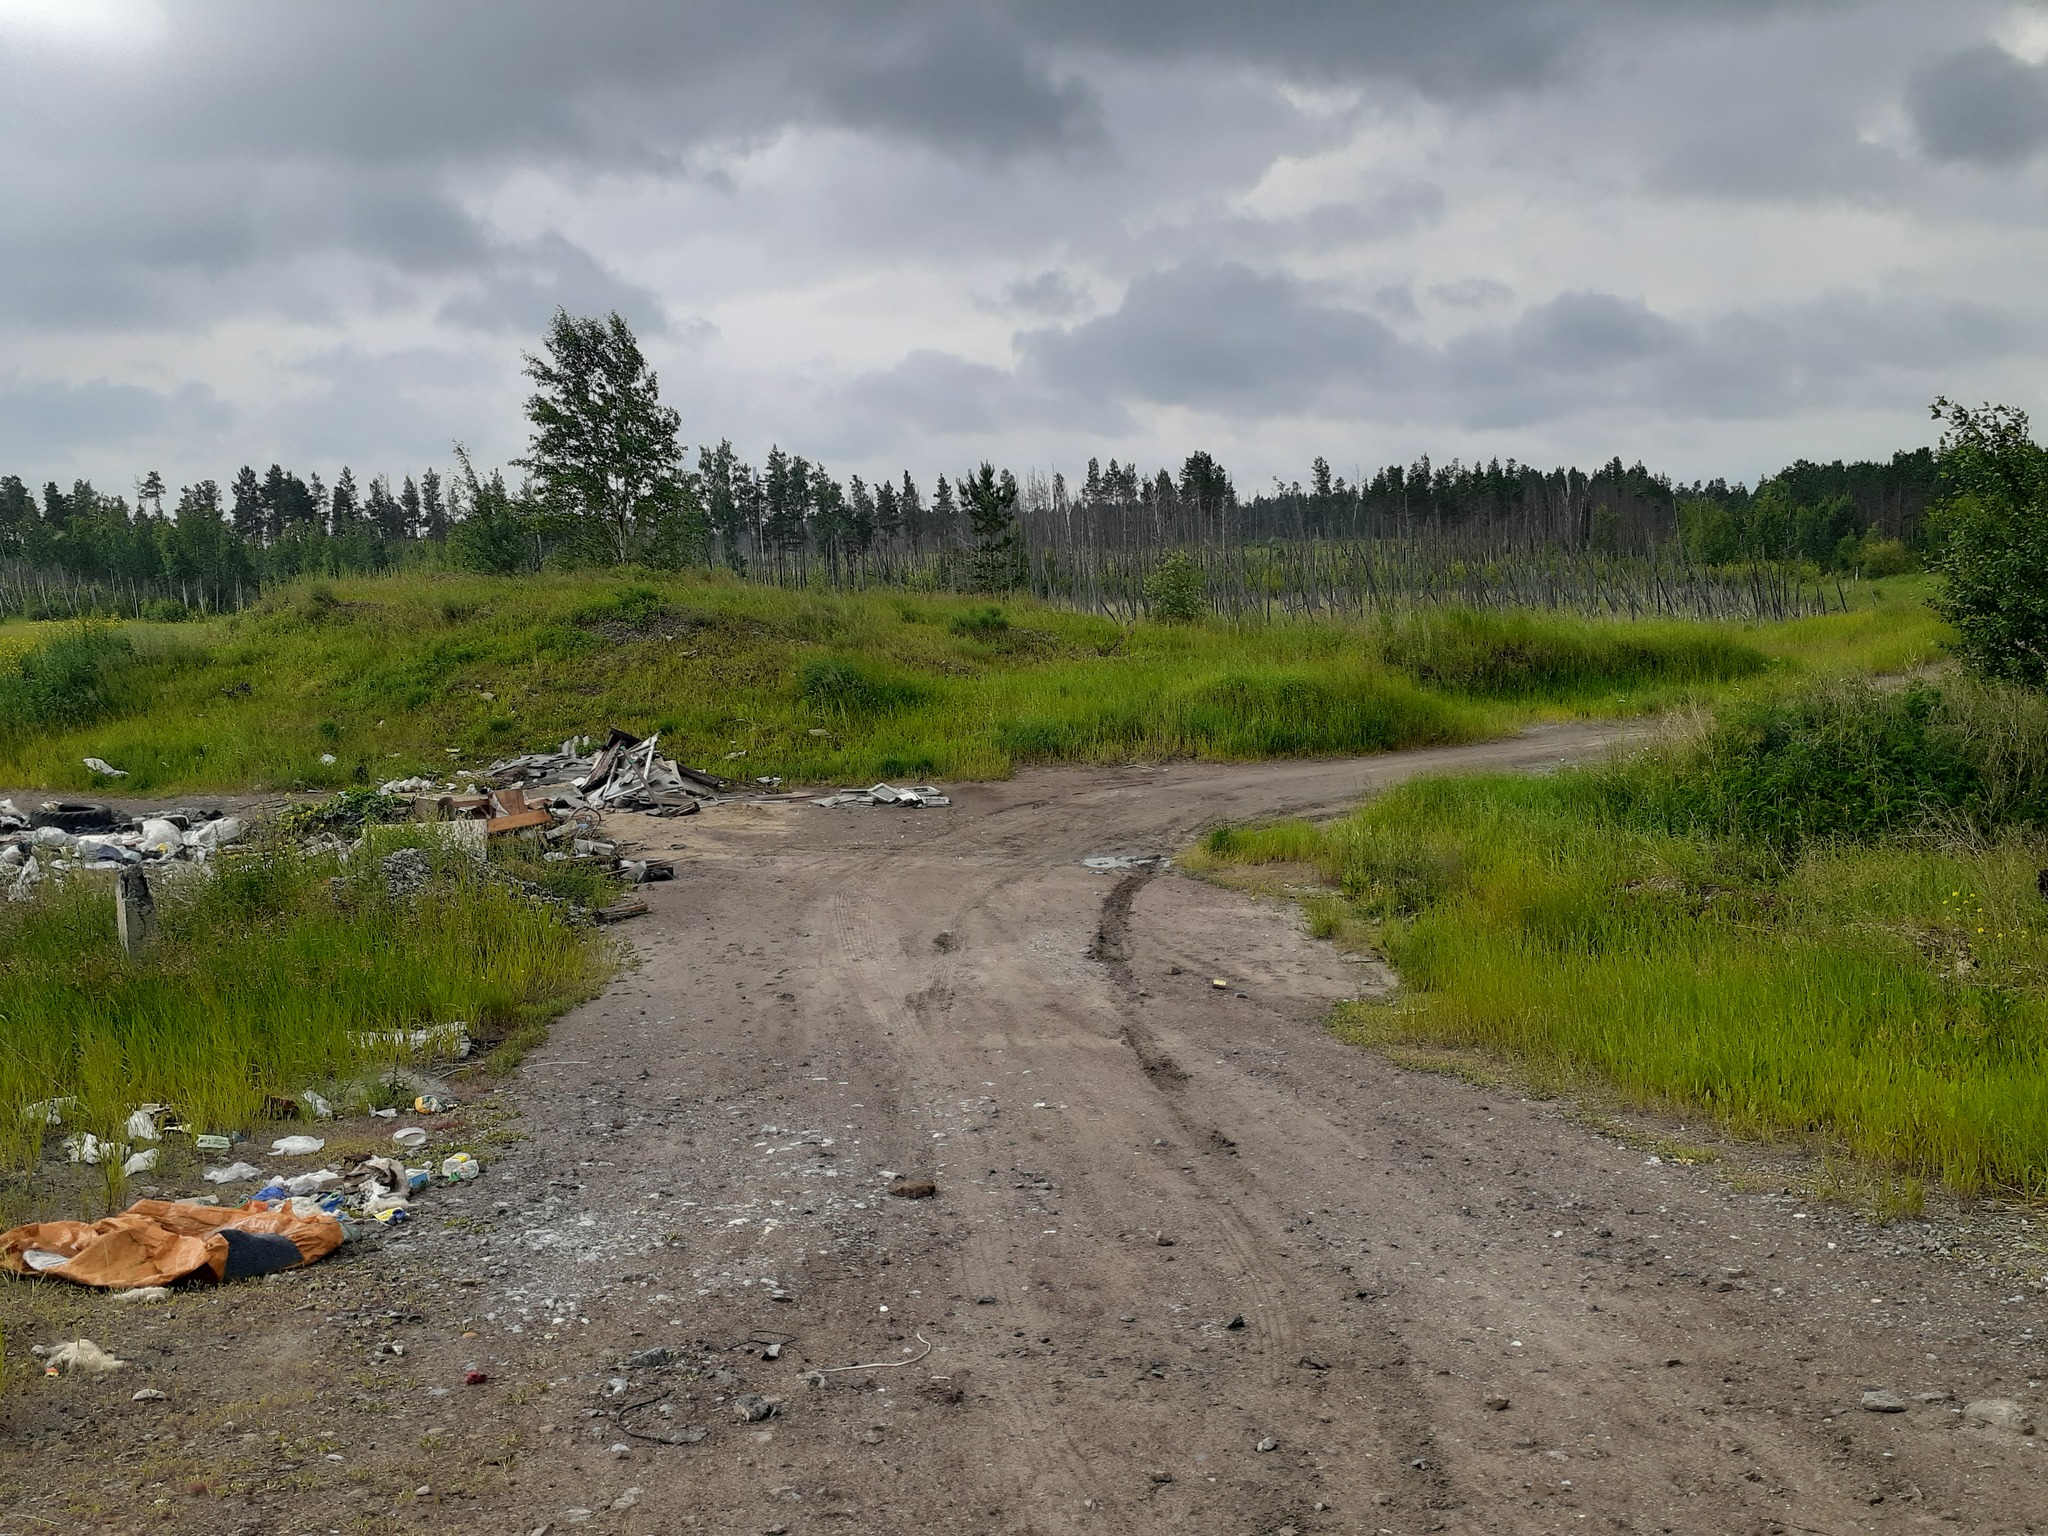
[
  {"x": 1818, "y": 954},
  {"x": 276, "y": 972}
]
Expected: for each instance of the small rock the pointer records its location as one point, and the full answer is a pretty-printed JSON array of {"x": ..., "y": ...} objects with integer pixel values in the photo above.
[
  {"x": 913, "y": 1189},
  {"x": 984, "y": 1301},
  {"x": 1311, "y": 1363},
  {"x": 1934, "y": 1397},
  {"x": 149, "y": 1395},
  {"x": 752, "y": 1408},
  {"x": 647, "y": 1359},
  {"x": 1236, "y": 1322},
  {"x": 619, "y": 1450},
  {"x": 1884, "y": 1400},
  {"x": 1162, "y": 1477},
  {"x": 627, "y": 1499},
  {"x": 1498, "y": 1402},
  {"x": 1269, "y": 1444},
  {"x": 772, "y": 1352},
  {"x": 1164, "y": 1241},
  {"x": 1999, "y": 1413},
  {"x": 871, "y": 1437}
]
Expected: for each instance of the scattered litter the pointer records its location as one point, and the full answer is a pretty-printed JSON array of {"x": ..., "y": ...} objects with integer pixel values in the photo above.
[
  {"x": 105, "y": 769},
  {"x": 143, "y": 1123},
  {"x": 437, "y": 1040},
  {"x": 212, "y": 1143},
  {"x": 319, "y": 1108},
  {"x": 410, "y": 1136},
  {"x": 140, "y": 1162},
  {"x": 433, "y": 1104},
  {"x": 1220, "y": 984},
  {"x": 81, "y": 1356},
  {"x": 296, "y": 1146},
  {"x": 619, "y": 911},
  {"x": 234, "y": 1173},
  {"x": 145, "y": 1295},
  {"x": 475, "y": 1378},
  {"x": 912, "y": 797},
  {"x": 460, "y": 1166},
  {"x": 1106, "y": 862}
]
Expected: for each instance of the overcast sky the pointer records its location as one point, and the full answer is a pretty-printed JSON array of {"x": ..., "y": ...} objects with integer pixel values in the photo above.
[{"x": 1715, "y": 236}]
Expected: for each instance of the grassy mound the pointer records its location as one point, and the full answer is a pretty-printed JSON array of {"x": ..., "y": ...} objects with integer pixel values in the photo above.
[{"x": 403, "y": 674}]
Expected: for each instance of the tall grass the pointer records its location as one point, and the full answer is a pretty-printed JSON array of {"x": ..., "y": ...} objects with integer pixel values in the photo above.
[
  {"x": 263, "y": 976},
  {"x": 1874, "y": 976},
  {"x": 68, "y": 678},
  {"x": 386, "y": 674}
]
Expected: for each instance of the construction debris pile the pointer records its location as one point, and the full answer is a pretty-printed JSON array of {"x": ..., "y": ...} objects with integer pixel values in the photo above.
[
  {"x": 913, "y": 797},
  {"x": 62, "y": 835}
]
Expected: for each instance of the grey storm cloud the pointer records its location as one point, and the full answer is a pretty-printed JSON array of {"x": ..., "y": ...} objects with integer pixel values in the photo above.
[
  {"x": 1981, "y": 104},
  {"x": 328, "y": 228}
]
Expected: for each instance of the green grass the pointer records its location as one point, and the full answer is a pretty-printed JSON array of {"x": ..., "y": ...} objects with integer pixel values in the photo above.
[
  {"x": 1876, "y": 985},
  {"x": 389, "y": 674},
  {"x": 263, "y": 973}
]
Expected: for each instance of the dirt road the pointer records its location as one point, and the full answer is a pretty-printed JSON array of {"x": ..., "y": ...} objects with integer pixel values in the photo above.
[{"x": 1191, "y": 1266}]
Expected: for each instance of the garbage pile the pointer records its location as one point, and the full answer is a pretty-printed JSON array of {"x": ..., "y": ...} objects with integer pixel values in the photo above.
[
  {"x": 62, "y": 835},
  {"x": 288, "y": 1219},
  {"x": 912, "y": 797},
  {"x": 626, "y": 774}
]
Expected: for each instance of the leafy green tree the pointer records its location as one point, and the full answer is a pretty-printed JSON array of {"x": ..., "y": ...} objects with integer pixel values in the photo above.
[
  {"x": 1991, "y": 525},
  {"x": 603, "y": 446},
  {"x": 1176, "y": 590}
]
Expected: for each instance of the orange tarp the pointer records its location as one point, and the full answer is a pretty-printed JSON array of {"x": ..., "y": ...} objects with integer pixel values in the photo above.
[{"x": 158, "y": 1242}]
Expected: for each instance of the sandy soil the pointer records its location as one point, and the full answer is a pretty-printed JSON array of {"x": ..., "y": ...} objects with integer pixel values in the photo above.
[{"x": 1191, "y": 1264}]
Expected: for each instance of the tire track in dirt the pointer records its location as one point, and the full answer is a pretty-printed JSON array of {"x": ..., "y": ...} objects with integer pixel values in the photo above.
[{"x": 1426, "y": 1242}]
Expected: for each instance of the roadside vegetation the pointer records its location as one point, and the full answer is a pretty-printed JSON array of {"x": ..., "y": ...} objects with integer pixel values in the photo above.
[
  {"x": 1817, "y": 918},
  {"x": 403, "y": 674},
  {"x": 275, "y": 972}
]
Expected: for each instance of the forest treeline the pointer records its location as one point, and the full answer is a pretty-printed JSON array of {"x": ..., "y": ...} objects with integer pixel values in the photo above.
[
  {"x": 209, "y": 548},
  {"x": 606, "y": 481}
]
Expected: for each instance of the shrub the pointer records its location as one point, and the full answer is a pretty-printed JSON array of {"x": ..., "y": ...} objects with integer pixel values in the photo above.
[
  {"x": 1176, "y": 591},
  {"x": 1519, "y": 655},
  {"x": 1992, "y": 526},
  {"x": 1850, "y": 761},
  {"x": 986, "y": 624},
  {"x": 71, "y": 679},
  {"x": 840, "y": 685}
]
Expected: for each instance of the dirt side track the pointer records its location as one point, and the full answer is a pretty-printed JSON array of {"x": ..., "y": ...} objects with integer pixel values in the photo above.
[{"x": 1192, "y": 1266}]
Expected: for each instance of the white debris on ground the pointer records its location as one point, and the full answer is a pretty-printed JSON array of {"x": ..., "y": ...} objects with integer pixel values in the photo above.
[
  {"x": 62, "y": 835},
  {"x": 911, "y": 797}
]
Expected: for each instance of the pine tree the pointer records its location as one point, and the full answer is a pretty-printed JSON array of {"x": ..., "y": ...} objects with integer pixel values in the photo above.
[
  {"x": 409, "y": 509},
  {"x": 346, "y": 511},
  {"x": 246, "y": 512},
  {"x": 991, "y": 503},
  {"x": 433, "y": 511}
]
